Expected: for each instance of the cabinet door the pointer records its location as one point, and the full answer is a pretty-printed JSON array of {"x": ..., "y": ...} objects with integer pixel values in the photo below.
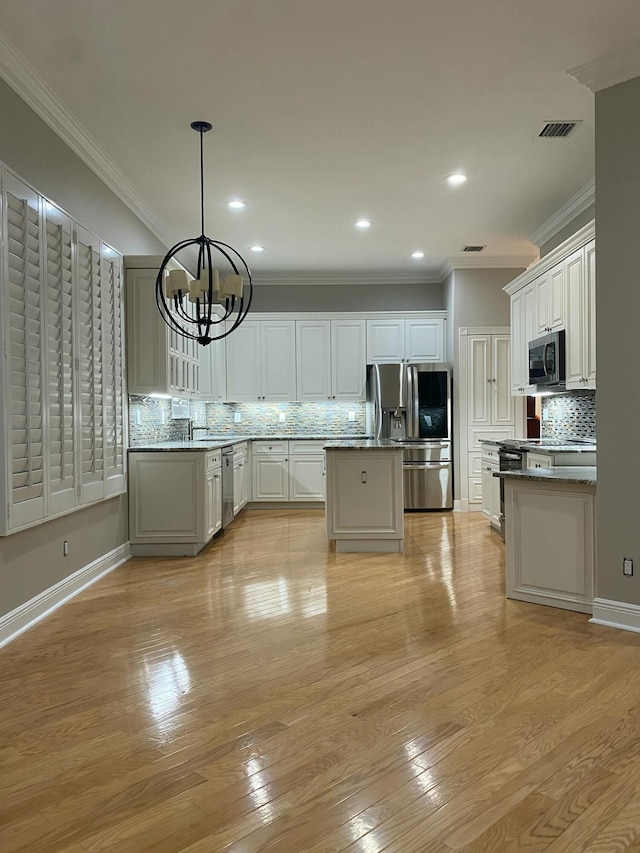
[
  {"x": 590, "y": 315},
  {"x": 306, "y": 477},
  {"x": 424, "y": 340},
  {"x": 385, "y": 341},
  {"x": 501, "y": 401},
  {"x": 147, "y": 336},
  {"x": 270, "y": 478},
  {"x": 214, "y": 502},
  {"x": 542, "y": 287},
  {"x": 212, "y": 385},
  {"x": 480, "y": 389},
  {"x": 313, "y": 359},
  {"x": 523, "y": 330},
  {"x": 576, "y": 320},
  {"x": 348, "y": 360},
  {"x": 278, "y": 359},
  {"x": 557, "y": 293},
  {"x": 488, "y": 507},
  {"x": 243, "y": 362}
]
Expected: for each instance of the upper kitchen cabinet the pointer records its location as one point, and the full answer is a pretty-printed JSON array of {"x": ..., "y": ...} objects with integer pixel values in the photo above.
[
  {"x": 330, "y": 359},
  {"x": 558, "y": 292},
  {"x": 489, "y": 380},
  {"x": 261, "y": 360},
  {"x": 581, "y": 332},
  {"x": 159, "y": 360},
  {"x": 62, "y": 383},
  {"x": 412, "y": 339}
]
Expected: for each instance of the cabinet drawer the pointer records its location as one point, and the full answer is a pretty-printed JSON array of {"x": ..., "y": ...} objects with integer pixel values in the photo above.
[
  {"x": 490, "y": 453},
  {"x": 214, "y": 459},
  {"x": 270, "y": 448},
  {"x": 477, "y": 434},
  {"x": 306, "y": 446},
  {"x": 475, "y": 464},
  {"x": 475, "y": 490},
  {"x": 240, "y": 451},
  {"x": 539, "y": 460}
]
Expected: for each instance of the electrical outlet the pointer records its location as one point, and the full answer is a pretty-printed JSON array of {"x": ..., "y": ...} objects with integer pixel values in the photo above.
[
  {"x": 65, "y": 548},
  {"x": 138, "y": 417},
  {"x": 282, "y": 417},
  {"x": 627, "y": 566},
  {"x": 237, "y": 417},
  {"x": 352, "y": 416}
]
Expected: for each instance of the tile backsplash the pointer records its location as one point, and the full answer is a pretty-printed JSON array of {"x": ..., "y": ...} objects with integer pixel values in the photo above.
[
  {"x": 150, "y": 419},
  {"x": 569, "y": 415}
]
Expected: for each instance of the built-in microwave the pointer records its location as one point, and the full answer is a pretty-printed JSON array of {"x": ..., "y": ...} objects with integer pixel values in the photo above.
[{"x": 547, "y": 359}]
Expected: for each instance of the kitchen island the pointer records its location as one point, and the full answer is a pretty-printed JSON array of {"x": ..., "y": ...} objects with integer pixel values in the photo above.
[
  {"x": 550, "y": 535},
  {"x": 365, "y": 499}
]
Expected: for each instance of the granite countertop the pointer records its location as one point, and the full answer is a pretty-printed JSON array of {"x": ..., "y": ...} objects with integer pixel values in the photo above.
[
  {"x": 550, "y": 448},
  {"x": 582, "y": 475},
  {"x": 218, "y": 441},
  {"x": 363, "y": 444}
]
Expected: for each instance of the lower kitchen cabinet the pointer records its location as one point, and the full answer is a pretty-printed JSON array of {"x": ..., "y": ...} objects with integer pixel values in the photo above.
[
  {"x": 240, "y": 477},
  {"x": 175, "y": 501},
  {"x": 490, "y": 485},
  {"x": 288, "y": 470}
]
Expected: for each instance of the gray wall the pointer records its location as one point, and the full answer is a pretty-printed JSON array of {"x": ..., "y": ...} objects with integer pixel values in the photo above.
[
  {"x": 569, "y": 230},
  {"x": 618, "y": 312},
  {"x": 32, "y": 149},
  {"x": 32, "y": 561},
  {"x": 347, "y": 297}
]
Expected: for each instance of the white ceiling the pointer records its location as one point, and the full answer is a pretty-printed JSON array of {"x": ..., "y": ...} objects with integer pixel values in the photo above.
[{"x": 328, "y": 111}]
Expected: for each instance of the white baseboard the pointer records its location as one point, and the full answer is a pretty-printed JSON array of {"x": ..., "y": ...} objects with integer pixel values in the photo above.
[
  {"x": 456, "y": 506},
  {"x": 616, "y": 614},
  {"x": 26, "y": 615}
]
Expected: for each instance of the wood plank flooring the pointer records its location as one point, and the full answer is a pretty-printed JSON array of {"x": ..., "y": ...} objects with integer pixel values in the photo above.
[{"x": 272, "y": 695}]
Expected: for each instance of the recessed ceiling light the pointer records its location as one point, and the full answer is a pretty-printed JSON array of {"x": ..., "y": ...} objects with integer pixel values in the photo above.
[
  {"x": 236, "y": 204},
  {"x": 257, "y": 248},
  {"x": 417, "y": 254},
  {"x": 456, "y": 179},
  {"x": 364, "y": 223}
]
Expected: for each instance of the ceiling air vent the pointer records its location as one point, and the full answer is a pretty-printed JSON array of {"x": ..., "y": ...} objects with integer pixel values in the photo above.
[
  {"x": 473, "y": 248},
  {"x": 557, "y": 129}
]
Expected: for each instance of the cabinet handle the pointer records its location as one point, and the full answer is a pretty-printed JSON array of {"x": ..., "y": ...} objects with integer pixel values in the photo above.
[{"x": 363, "y": 477}]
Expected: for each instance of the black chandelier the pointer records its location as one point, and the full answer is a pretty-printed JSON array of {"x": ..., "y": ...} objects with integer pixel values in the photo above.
[{"x": 191, "y": 308}]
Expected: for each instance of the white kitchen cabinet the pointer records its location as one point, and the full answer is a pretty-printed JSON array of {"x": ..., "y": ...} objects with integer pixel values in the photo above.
[
  {"x": 330, "y": 360},
  {"x": 306, "y": 470},
  {"x": 581, "y": 339},
  {"x": 261, "y": 361},
  {"x": 523, "y": 330},
  {"x": 288, "y": 470},
  {"x": 240, "y": 477},
  {"x": 491, "y": 484},
  {"x": 364, "y": 509},
  {"x": 159, "y": 360},
  {"x": 410, "y": 339},
  {"x": 62, "y": 383},
  {"x": 561, "y": 458},
  {"x": 550, "y": 300},
  {"x": 175, "y": 501},
  {"x": 489, "y": 380}
]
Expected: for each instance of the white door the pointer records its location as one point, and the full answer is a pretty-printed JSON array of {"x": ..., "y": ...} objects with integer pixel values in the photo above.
[
  {"x": 278, "y": 358},
  {"x": 501, "y": 400},
  {"x": 270, "y": 479},
  {"x": 306, "y": 478},
  {"x": 243, "y": 362},
  {"x": 348, "y": 360},
  {"x": 385, "y": 341},
  {"x": 479, "y": 391},
  {"x": 424, "y": 340},
  {"x": 313, "y": 359}
]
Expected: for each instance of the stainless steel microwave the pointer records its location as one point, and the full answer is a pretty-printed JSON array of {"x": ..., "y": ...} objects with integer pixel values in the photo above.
[{"x": 547, "y": 359}]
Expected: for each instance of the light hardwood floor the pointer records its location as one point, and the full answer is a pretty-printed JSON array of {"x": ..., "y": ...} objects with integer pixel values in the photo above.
[{"x": 272, "y": 695}]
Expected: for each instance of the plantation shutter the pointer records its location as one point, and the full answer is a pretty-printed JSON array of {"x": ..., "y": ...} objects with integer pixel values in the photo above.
[
  {"x": 24, "y": 339},
  {"x": 113, "y": 372},
  {"x": 60, "y": 397},
  {"x": 90, "y": 370}
]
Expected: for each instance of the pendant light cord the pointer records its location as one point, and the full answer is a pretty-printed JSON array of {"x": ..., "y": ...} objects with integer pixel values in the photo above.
[{"x": 201, "y": 182}]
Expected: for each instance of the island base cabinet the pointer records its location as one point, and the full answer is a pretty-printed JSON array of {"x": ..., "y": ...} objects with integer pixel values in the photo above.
[
  {"x": 175, "y": 502},
  {"x": 550, "y": 543},
  {"x": 364, "y": 508}
]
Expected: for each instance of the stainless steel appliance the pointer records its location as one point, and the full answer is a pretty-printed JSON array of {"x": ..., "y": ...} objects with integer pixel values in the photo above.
[
  {"x": 547, "y": 359},
  {"x": 227, "y": 485},
  {"x": 510, "y": 458},
  {"x": 411, "y": 404}
]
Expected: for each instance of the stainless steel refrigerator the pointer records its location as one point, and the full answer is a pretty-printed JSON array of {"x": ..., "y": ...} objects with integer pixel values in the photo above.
[{"x": 411, "y": 404}]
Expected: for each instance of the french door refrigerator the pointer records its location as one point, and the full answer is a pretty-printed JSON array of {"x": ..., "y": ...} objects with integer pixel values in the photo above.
[{"x": 411, "y": 404}]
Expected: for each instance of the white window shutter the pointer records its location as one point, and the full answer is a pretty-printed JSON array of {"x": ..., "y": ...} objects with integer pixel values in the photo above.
[
  {"x": 61, "y": 393},
  {"x": 113, "y": 372},
  {"x": 23, "y": 336},
  {"x": 90, "y": 370}
]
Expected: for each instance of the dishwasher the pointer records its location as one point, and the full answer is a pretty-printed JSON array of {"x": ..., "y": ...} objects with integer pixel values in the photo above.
[{"x": 227, "y": 485}]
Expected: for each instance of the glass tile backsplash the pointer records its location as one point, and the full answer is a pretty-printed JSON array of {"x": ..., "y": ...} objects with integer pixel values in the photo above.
[
  {"x": 569, "y": 415},
  {"x": 150, "y": 419}
]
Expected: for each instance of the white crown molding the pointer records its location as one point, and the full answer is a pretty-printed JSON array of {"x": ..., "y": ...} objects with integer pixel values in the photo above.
[
  {"x": 28, "y": 84},
  {"x": 576, "y": 205},
  {"x": 329, "y": 277},
  {"x": 608, "y": 70},
  {"x": 491, "y": 262}
]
